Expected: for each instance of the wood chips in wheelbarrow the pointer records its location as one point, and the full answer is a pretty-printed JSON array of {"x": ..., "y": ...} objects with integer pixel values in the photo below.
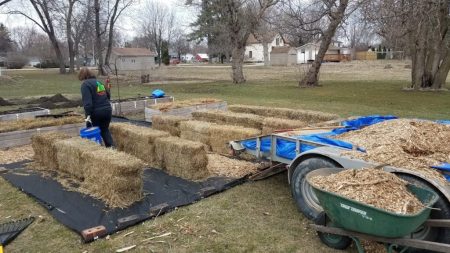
[
  {"x": 404, "y": 143},
  {"x": 374, "y": 187}
]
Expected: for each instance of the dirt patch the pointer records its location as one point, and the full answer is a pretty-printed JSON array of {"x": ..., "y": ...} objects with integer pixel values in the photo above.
[
  {"x": 373, "y": 187},
  {"x": 4, "y": 102}
]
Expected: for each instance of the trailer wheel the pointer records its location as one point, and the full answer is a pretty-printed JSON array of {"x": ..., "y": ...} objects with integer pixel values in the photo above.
[
  {"x": 303, "y": 194},
  {"x": 434, "y": 234}
]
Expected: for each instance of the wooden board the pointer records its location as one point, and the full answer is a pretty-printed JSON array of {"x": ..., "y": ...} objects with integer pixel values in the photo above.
[
  {"x": 24, "y": 115},
  {"x": 137, "y": 105},
  {"x": 23, "y": 137},
  {"x": 186, "y": 111}
]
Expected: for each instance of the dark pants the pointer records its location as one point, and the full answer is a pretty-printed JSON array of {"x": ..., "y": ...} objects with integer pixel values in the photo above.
[{"x": 101, "y": 118}]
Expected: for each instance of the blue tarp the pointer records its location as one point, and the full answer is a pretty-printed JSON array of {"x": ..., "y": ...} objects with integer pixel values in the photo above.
[
  {"x": 286, "y": 149},
  {"x": 445, "y": 122}
]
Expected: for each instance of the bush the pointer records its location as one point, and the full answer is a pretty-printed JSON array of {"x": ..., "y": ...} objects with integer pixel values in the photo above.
[
  {"x": 16, "y": 61},
  {"x": 47, "y": 64}
]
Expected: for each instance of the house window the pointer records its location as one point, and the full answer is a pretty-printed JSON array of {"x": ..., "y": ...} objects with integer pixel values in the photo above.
[
  {"x": 123, "y": 60},
  {"x": 133, "y": 61},
  {"x": 277, "y": 41},
  {"x": 250, "y": 54},
  {"x": 303, "y": 50}
]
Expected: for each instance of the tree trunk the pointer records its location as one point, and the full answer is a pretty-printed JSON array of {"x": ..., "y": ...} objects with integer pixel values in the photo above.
[
  {"x": 442, "y": 73},
  {"x": 312, "y": 77},
  {"x": 98, "y": 37},
  {"x": 237, "y": 64},
  {"x": 111, "y": 32},
  {"x": 70, "y": 43},
  {"x": 266, "y": 54},
  {"x": 59, "y": 55}
]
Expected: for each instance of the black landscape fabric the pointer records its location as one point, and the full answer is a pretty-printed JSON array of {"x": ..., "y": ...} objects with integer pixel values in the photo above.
[{"x": 78, "y": 212}]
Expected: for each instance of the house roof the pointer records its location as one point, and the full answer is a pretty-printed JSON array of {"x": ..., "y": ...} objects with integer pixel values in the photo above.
[
  {"x": 281, "y": 50},
  {"x": 132, "y": 51},
  {"x": 203, "y": 56},
  {"x": 252, "y": 39}
]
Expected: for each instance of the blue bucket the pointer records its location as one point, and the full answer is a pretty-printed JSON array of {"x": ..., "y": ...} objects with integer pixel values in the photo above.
[{"x": 91, "y": 133}]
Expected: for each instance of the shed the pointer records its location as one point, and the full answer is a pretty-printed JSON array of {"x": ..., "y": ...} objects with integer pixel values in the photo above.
[
  {"x": 307, "y": 53},
  {"x": 202, "y": 57},
  {"x": 128, "y": 60},
  {"x": 283, "y": 56}
]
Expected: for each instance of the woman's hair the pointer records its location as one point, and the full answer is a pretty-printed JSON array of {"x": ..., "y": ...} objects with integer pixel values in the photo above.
[{"x": 85, "y": 73}]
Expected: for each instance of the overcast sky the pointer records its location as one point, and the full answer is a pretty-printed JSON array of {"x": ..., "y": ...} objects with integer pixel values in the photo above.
[{"x": 127, "y": 23}]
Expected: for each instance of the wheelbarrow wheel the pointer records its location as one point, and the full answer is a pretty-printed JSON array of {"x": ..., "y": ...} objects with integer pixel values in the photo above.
[
  {"x": 302, "y": 192},
  {"x": 335, "y": 241},
  {"x": 442, "y": 211},
  {"x": 331, "y": 240}
]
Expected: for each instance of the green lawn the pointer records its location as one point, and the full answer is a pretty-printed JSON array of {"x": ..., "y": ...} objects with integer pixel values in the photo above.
[{"x": 254, "y": 217}]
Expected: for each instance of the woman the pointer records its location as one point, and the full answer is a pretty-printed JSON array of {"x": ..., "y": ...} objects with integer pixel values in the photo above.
[{"x": 96, "y": 104}]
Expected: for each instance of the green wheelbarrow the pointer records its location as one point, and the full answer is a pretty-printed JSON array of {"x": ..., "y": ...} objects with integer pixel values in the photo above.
[{"x": 345, "y": 220}]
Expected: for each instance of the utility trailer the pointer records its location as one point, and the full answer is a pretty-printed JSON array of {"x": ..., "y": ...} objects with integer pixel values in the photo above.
[{"x": 301, "y": 154}]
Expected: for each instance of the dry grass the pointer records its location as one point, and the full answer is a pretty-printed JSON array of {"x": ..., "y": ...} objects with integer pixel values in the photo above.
[
  {"x": 219, "y": 165},
  {"x": 138, "y": 141},
  {"x": 25, "y": 124},
  {"x": 183, "y": 158},
  {"x": 44, "y": 148},
  {"x": 230, "y": 118},
  {"x": 410, "y": 144},
  {"x": 168, "y": 123},
  {"x": 16, "y": 154},
  {"x": 214, "y": 135},
  {"x": 164, "y": 107},
  {"x": 373, "y": 187},
  {"x": 285, "y": 113},
  {"x": 271, "y": 125}
]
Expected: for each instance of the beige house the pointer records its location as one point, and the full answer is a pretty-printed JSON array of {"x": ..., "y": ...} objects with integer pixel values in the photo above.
[
  {"x": 283, "y": 56},
  {"x": 254, "y": 51},
  {"x": 132, "y": 60}
]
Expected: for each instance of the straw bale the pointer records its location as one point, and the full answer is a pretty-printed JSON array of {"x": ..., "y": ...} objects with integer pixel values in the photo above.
[
  {"x": 215, "y": 136},
  {"x": 229, "y": 118},
  {"x": 373, "y": 187},
  {"x": 220, "y": 135},
  {"x": 164, "y": 107},
  {"x": 45, "y": 150},
  {"x": 183, "y": 158},
  {"x": 272, "y": 124},
  {"x": 69, "y": 154},
  {"x": 138, "y": 141},
  {"x": 286, "y": 113},
  {"x": 114, "y": 177},
  {"x": 196, "y": 131},
  {"x": 404, "y": 143},
  {"x": 168, "y": 123},
  {"x": 219, "y": 165},
  {"x": 25, "y": 124}
]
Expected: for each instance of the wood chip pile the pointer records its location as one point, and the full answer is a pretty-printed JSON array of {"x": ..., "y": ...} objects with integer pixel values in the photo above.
[
  {"x": 230, "y": 118},
  {"x": 286, "y": 113},
  {"x": 373, "y": 187},
  {"x": 168, "y": 123},
  {"x": 215, "y": 136},
  {"x": 164, "y": 107},
  {"x": 25, "y": 124},
  {"x": 182, "y": 158},
  {"x": 112, "y": 176},
  {"x": 223, "y": 166},
  {"x": 410, "y": 144},
  {"x": 137, "y": 141}
]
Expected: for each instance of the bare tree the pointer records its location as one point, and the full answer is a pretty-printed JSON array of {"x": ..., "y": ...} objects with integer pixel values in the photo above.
[
  {"x": 4, "y": 2},
  {"x": 158, "y": 25}
]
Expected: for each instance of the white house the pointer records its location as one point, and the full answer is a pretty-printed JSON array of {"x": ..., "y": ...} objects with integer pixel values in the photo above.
[
  {"x": 132, "y": 60},
  {"x": 187, "y": 57},
  {"x": 307, "y": 53},
  {"x": 254, "y": 51}
]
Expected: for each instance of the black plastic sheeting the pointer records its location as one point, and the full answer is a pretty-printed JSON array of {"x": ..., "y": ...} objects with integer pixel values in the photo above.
[
  {"x": 78, "y": 212},
  {"x": 120, "y": 119}
]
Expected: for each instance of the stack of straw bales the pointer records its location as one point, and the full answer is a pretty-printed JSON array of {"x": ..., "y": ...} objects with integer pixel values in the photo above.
[
  {"x": 168, "y": 123},
  {"x": 45, "y": 150},
  {"x": 272, "y": 124},
  {"x": 112, "y": 176},
  {"x": 230, "y": 118},
  {"x": 286, "y": 113},
  {"x": 183, "y": 158},
  {"x": 214, "y": 135},
  {"x": 137, "y": 141}
]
